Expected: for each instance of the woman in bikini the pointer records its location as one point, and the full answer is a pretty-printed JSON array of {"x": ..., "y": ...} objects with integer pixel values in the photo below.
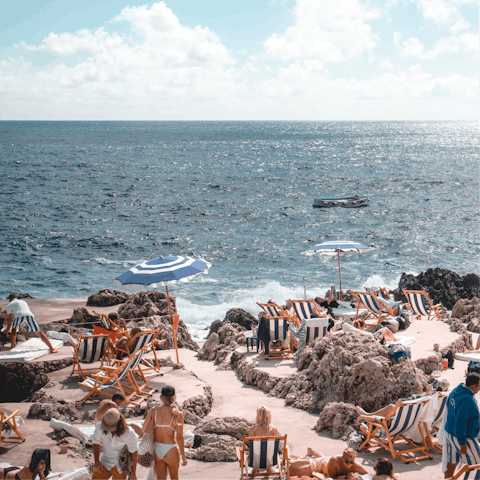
[
  {"x": 167, "y": 423},
  {"x": 39, "y": 465}
]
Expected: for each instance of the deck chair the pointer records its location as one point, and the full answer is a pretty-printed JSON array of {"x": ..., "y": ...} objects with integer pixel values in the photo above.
[
  {"x": 145, "y": 340},
  {"x": 466, "y": 469},
  {"x": 379, "y": 292},
  {"x": 110, "y": 325},
  {"x": 277, "y": 320},
  {"x": 12, "y": 424},
  {"x": 90, "y": 349},
  {"x": 404, "y": 416},
  {"x": 305, "y": 309},
  {"x": 375, "y": 308},
  {"x": 119, "y": 377},
  {"x": 316, "y": 328},
  {"x": 259, "y": 455},
  {"x": 437, "y": 420},
  {"x": 421, "y": 305}
]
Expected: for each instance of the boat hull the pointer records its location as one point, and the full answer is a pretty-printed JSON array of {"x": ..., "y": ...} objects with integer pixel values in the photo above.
[{"x": 345, "y": 202}]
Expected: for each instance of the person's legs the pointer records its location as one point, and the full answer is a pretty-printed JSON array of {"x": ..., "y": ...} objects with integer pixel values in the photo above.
[
  {"x": 387, "y": 335},
  {"x": 101, "y": 473},
  {"x": 47, "y": 342},
  {"x": 172, "y": 459},
  {"x": 364, "y": 415},
  {"x": 116, "y": 475},
  {"x": 13, "y": 338},
  {"x": 453, "y": 454}
]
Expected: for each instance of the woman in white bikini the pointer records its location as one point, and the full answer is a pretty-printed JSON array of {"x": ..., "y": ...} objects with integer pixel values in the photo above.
[{"x": 168, "y": 435}]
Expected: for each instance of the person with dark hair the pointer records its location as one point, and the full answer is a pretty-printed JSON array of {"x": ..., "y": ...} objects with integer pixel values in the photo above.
[
  {"x": 463, "y": 425},
  {"x": 39, "y": 465},
  {"x": 19, "y": 315},
  {"x": 113, "y": 434},
  {"x": 167, "y": 424},
  {"x": 117, "y": 401},
  {"x": 384, "y": 470}
]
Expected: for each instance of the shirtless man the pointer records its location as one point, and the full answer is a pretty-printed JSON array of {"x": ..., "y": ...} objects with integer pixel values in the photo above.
[{"x": 339, "y": 466}]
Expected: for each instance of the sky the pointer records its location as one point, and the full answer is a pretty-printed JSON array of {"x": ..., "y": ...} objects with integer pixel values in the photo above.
[{"x": 249, "y": 60}]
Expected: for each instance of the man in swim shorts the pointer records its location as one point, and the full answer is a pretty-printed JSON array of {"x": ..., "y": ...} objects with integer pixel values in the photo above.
[{"x": 19, "y": 315}]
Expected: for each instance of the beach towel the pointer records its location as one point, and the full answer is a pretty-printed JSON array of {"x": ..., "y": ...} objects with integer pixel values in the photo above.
[
  {"x": 30, "y": 350},
  {"x": 403, "y": 340},
  {"x": 468, "y": 357}
]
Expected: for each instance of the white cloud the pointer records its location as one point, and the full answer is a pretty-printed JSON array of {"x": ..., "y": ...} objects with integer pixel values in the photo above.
[
  {"x": 414, "y": 48},
  {"x": 386, "y": 64},
  {"x": 325, "y": 30}
]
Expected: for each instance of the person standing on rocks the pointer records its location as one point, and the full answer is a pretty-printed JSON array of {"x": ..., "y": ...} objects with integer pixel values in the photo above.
[
  {"x": 19, "y": 315},
  {"x": 463, "y": 425},
  {"x": 113, "y": 434}
]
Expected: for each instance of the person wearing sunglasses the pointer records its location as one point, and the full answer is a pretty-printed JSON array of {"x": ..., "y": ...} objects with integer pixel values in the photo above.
[{"x": 39, "y": 465}]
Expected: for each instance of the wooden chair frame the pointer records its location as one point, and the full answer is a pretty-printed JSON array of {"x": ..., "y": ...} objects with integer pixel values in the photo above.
[
  {"x": 314, "y": 308},
  {"x": 374, "y": 427},
  {"x": 112, "y": 326},
  {"x": 464, "y": 469},
  {"x": 12, "y": 423},
  {"x": 77, "y": 364},
  {"x": 371, "y": 313},
  {"x": 283, "y": 462},
  {"x": 428, "y": 437},
  {"x": 433, "y": 308}
]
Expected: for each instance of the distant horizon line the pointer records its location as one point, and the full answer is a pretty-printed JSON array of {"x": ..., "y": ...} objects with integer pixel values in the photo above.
[{"x": 319, "y": 121}]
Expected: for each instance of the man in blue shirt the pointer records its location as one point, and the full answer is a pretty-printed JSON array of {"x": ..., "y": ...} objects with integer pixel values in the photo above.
[{"x": 463, "y": 425}]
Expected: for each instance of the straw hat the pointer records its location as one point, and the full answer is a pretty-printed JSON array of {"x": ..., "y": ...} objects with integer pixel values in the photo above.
[{"x": 110, "y": 420}]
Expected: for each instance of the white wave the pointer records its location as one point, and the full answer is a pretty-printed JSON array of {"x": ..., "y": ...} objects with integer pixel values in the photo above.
[{"x": 380, "y": 281}]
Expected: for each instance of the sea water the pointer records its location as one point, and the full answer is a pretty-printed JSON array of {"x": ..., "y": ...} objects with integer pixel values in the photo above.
[{"x": 82, "y": 202}]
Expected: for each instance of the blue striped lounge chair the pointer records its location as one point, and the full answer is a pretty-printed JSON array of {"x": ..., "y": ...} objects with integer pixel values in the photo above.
[
  {"x": 419, "y": 302},
  {"x": 374, "y": 307},
  {"x": 90, "y": 349},
  {"x": 437, "y": 421},
  {"x": 277, "y": 319},
  {"x": 379, "y": 292},
  {"x": 12, "y": 423},
  {"x": 403, "y": 416},
  {"x": 466, "y": 469},
  {"x": 119, "y": 377},
  {"x": 316, "y": 328},
  {"x": 305, "y": 309},
  {"x": 264, "y": 457},
  {"x": 145, "y": 340}
]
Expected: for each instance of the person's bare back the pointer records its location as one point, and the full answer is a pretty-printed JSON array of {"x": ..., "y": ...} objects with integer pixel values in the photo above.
[{"x": 341, "y": 466}]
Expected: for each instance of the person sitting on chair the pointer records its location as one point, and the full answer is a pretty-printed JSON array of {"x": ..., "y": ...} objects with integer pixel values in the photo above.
[
  {"x": 39, "y": 465},
  {"x": 330, "y": 299},
  {"x": 263, "y": 424},
  {"x": 382, "y": 335}
]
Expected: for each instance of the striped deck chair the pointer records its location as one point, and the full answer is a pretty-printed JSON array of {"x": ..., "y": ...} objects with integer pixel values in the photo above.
[
  {"x": 404, "y": 416},
  {"x": 379, "y": 292},
  {"x": 421, "y": 305},
  {"x": 316, "y": 328},
  {"x": 259, "y": 455},
  {"x": 305, "y": 309},
  {"x": 437, "y": 420},
  {"x": 145, "y": 340},
  {"x": 110, "y": 325},
  {"x": 375, "y": 308},
  {"x": 118, "y": 378},
  {"x": 90, "y": 349},
  {"x": 466, "y": 469},
  {"x": 12, "y": 423}
]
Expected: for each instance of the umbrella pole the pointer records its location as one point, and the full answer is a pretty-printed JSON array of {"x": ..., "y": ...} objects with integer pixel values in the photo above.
[
  {"x": 339, "y": 274},
  {"x": 173, "y": 328}
]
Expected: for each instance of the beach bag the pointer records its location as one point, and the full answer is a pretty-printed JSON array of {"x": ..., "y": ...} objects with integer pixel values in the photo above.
[
  {"x": 399, "y": 350},
  {"x": 146, "y": 452},
  {"x": 125, "y": 460},
  {"x": 448, "y": 355}
]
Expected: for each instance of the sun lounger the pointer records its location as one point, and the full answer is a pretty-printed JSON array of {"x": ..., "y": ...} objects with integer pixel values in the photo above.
[
  {"x": 421, "y": 305},
  {"x": 120, "y": 377},
  {"x": 12, "y": 423},
  {"x": 90, "y": 349},
  {"x": 316, "y": 328},
  {"x": 375, "y": 308},
  {"x": 260, "y": 455},
  {"x": 466, "y": 469},
  {"x": 403, "y": 340},
  {"x": 305, "y": 309},
  {"x": 404, "y": 416}
]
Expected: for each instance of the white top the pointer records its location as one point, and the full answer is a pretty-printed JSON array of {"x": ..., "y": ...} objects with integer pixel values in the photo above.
[
  {"x": 19, "y": 308},
  {"x": 113, "y": 445}
]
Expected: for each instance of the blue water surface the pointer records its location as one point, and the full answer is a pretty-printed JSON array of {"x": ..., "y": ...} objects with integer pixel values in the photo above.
[{"x": 81, "y": 202}]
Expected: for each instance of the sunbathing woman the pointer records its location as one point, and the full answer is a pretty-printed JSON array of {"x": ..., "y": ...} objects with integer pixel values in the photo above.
[
  {"x": 382, "y": 335},
  {"x": 167, "y": 423},
  {"x": 263, "y": 424},
  {"x": 39, "y": 465},
  {"x": 384, "y": 470}
]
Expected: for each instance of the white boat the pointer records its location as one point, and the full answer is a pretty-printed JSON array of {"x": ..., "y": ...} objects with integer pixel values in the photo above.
[{"x": 344, "y": 202}]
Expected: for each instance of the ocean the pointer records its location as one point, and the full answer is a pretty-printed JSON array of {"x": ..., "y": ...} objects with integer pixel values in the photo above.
[{"x": 82, "y": 202}]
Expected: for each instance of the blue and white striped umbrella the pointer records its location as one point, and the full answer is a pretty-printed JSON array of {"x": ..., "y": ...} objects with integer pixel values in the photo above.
[
  {"x": 337, "y": 246},
  {"x": 161, "y": 272}
]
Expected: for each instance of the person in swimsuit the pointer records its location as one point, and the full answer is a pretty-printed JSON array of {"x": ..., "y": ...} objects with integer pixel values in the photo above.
[
  {"x": 263, "y": 424},
  {"x": 384, "y": 470},
  {"x": 167, "y": 423},
  {"x": 39, "y": 465},
  {"x": 382, "y": 335}
]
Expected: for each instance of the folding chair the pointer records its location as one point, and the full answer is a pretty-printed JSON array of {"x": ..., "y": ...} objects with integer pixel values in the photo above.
[
  {"x": 12, "y": 423},
  {"x": 374, "y": 306},
  {"x": 259, "y": 455},
  {"x": 437, "y": 420},
  {"x": 277, "y": 321},
  {"x": 316, "y": 328},
  {"x": 90, "y": 349},
  {"x": 110, "y": 325},
  {"x": 120, "y": 378},
  {"x": 465, "y": 469},
  {"x": 305, "y": 309},
  {"x": 421, "y": 305},
  {"x": 404, "y": 416},
  {"x": 145, "y": 340},
  {"x": 379, "y": 292}
]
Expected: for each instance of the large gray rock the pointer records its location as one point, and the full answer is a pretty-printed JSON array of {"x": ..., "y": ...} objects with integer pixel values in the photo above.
[
  {"x": 46, "y": 407},
  {"x": 106, "y": 298},
  {"x": 147, "y": 304},
  {"x": 337, "y": 418}
]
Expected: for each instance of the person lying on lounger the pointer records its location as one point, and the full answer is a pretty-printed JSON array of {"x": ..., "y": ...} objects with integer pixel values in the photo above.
[
  {"x": 338, "y": 466},
  {"x": 382, "y": 335},
  {"x": 39, "y": 465}
]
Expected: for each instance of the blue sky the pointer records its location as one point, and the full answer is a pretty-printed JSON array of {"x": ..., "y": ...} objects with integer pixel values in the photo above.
[{"x": 250, "y": 60}]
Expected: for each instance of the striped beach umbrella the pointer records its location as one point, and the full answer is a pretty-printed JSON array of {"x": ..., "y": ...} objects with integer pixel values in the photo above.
[
  {"x": 336, "y": 247},
  {"x": 162, "y": 272}
]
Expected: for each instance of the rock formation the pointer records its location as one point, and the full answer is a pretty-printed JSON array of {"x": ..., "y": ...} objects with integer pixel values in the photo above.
[
  {"x": 83, "y": 316},
  {"x": 106, "y": 297},
  {"x": 146, "y": 304},
  {"x": 443, "y": 286},
  {"x": 337, "y": 418},
  {"x": 46, "y": 407},
  {"x": 466, "y": 316}
]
